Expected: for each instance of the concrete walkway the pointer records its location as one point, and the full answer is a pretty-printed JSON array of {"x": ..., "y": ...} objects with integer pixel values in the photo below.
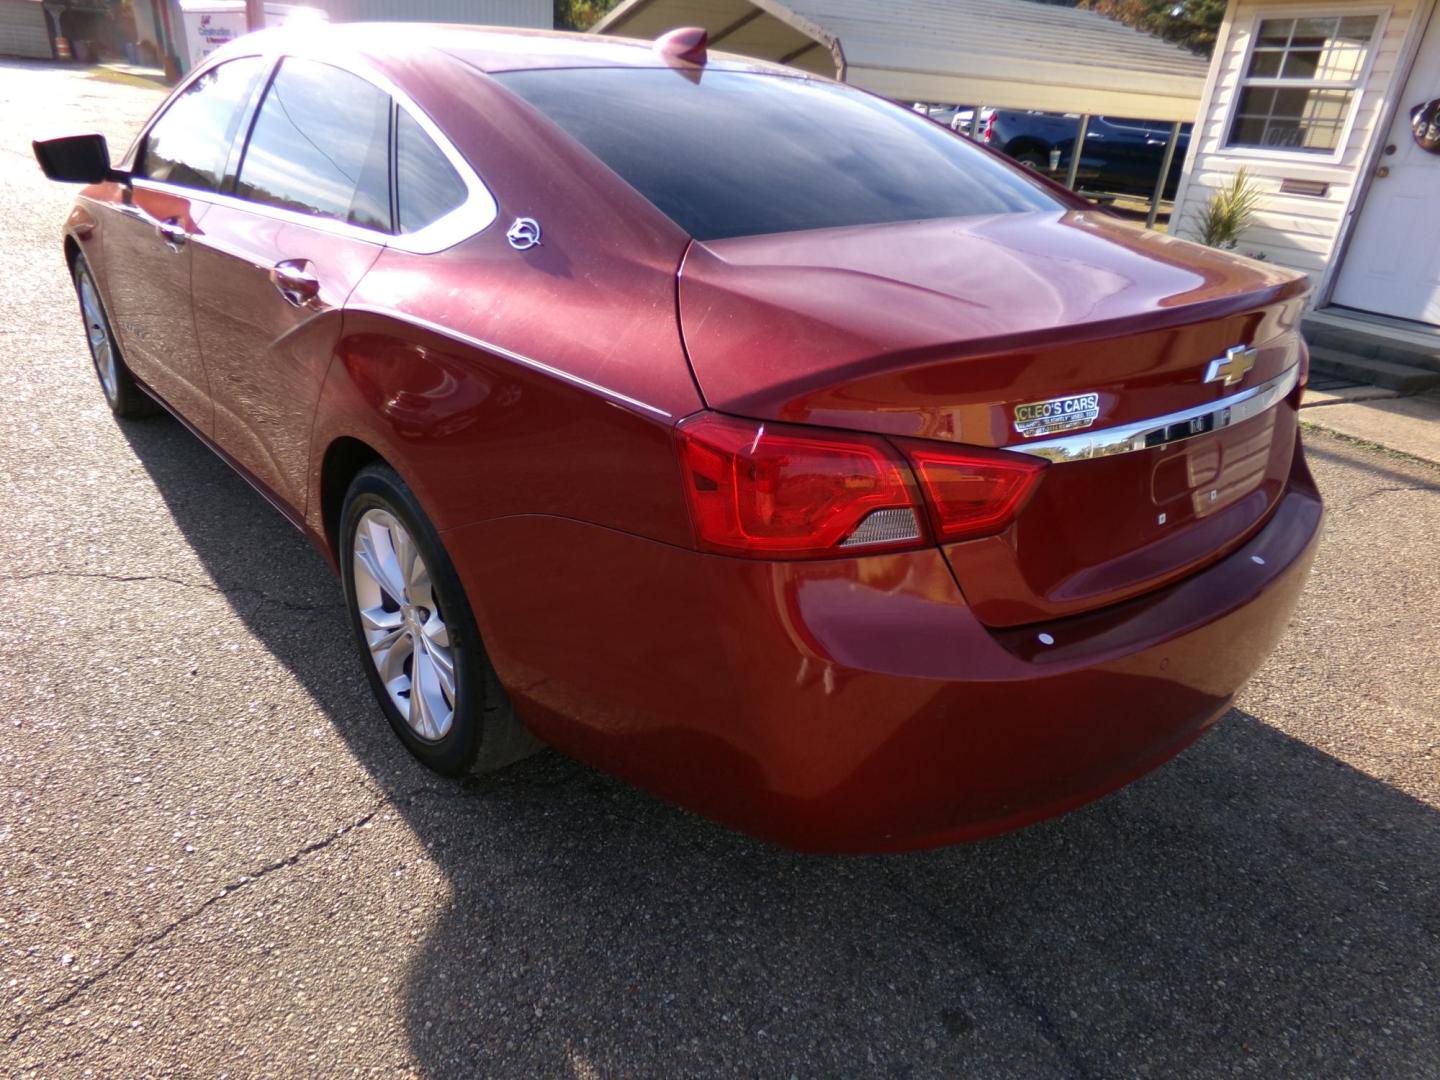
[{"x": 1407, "y": 425}]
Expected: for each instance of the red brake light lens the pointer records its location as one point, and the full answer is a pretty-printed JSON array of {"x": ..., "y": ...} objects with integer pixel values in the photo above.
[
  {"x": 972, "y": 492},
  {"x": 773, "y": 491}
]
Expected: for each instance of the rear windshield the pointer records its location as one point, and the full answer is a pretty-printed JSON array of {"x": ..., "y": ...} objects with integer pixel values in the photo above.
[{"x": 740, "y": 154}]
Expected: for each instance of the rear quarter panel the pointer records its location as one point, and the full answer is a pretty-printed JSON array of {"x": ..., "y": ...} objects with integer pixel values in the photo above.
[{"x": 502, "y": 382}]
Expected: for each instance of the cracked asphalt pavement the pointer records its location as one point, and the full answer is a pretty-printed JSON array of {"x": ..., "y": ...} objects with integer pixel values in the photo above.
[{"x": 215, "y": 859}]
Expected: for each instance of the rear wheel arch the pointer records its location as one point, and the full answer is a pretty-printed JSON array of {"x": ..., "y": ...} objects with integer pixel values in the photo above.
[
  {"x": 416, "y": 631},
  {"x": 342, "y": 462}
]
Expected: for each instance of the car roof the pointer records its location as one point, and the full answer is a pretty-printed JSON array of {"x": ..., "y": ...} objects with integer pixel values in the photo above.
[{"x": 495, "y": 49}]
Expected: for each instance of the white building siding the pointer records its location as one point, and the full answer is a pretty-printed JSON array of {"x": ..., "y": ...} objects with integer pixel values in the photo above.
[
  {"x": 22, "y": 29},
  {"x": 1299, "y": 231}
]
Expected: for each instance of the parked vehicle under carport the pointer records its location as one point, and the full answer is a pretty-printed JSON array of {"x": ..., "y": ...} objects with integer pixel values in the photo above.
[{"x": 1119, "y": 155}]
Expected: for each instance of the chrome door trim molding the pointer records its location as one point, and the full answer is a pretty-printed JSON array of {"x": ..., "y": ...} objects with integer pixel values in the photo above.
[
  {"x": 1171, "y": 428},
  {"x": 279, "y": 213}
]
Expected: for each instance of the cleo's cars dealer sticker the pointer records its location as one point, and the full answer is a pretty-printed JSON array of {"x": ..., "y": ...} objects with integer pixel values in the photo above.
[{"x": 1058, "y": 414}]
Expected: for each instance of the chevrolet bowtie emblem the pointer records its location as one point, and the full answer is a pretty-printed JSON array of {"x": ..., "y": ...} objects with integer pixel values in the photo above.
[{"x": 1232, "y": 367}]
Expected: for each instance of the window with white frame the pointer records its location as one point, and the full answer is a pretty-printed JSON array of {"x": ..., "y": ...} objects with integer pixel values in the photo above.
[{"x": 1301, "y": 81}]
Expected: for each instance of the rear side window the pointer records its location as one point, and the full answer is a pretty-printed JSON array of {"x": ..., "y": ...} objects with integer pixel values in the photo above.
[
  {"x": 427, "y": 187},
  {"x": 190, "y": 143},
  {"x": 738, "y": 154},
  {"x": 321, "y": 145}
]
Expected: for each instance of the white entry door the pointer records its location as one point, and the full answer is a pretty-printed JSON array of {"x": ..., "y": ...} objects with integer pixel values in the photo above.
[{"x": 1393, "y": 264}]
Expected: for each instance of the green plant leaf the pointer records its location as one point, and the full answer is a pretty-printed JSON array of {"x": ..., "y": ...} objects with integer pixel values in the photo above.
[{"x": 1230, "y": 211}]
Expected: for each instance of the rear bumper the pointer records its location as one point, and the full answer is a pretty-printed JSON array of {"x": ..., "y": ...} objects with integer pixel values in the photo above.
[{"x": 858, "y": 705}]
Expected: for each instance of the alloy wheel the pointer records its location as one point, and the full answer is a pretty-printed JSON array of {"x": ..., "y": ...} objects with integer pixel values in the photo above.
[
  {"x": 98, "y": 335},
  {"x": 404, "y": 627}
]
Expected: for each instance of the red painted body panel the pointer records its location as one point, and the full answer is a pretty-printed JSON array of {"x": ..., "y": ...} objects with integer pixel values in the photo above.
[
  {"x": 478, "y": 436},
  {"x": 546, "y": 381},
  {"x": 530, "y": 398},
  {"x": 1091, "y": 535},
  {"x": 858, "y": 704},
  {"x": 523, "y": 51},
  {"x": 266, "y": 358},
  {"x": 148, "y": 301},
  {"x": 938, "y": 329}
]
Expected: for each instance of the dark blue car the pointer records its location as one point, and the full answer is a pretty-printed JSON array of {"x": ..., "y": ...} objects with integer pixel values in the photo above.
[{"x": 1119, "y": 155}]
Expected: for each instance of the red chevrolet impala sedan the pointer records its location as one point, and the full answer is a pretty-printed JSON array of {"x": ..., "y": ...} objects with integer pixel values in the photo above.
[{"x": 744, "y": 434}]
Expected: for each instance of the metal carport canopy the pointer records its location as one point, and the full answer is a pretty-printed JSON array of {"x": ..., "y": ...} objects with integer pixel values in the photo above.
[{"x": 1016, "y": 54}]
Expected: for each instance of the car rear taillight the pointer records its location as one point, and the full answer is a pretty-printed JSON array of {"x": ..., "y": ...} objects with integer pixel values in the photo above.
[
  {"x": 972, "y": 492},
  {"x": 776, "y": 491},
  {"x": 773, "y": 491},
  {"x": 989, "y": 127}
]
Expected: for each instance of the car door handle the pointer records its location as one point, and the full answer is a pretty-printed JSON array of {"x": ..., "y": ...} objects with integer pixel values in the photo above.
[
  {"x": 294, "y": 281},
  {"x": 172, "y": 232}
]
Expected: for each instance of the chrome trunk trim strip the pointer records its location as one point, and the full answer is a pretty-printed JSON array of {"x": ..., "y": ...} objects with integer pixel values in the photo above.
[{"x": 1164, "y": 430}]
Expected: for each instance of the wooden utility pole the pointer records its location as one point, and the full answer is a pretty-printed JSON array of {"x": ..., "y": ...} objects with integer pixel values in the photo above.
[{"x": 254, "y": 15}]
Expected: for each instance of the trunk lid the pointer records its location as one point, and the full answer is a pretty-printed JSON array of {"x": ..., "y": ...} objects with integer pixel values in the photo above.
[{"x": 943, "y": 329}]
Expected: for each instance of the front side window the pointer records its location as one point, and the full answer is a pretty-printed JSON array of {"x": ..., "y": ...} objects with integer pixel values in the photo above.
[
  {"x": 427, "y": 187},
  {"x": 321, "y": 146},
  {"x": 739, "y": 154},
  {"x": 190, "y": 143},
  {"x": 1301, "y": 82}
]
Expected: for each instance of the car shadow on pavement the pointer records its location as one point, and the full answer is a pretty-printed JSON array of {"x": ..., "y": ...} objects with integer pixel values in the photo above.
[{"x": 1255, "y": 906}]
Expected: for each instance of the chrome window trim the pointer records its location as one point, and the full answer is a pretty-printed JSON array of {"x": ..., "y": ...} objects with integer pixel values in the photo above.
[
  {"x": 472, "y": 217},
  {"x": 1162, "y": 430},
  {"x": 313, "y": 221}
]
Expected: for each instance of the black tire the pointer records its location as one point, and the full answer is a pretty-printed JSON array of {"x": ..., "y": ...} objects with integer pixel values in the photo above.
[
  {"x": 1033, "y": 159},
  {"x": 484, "y": 733},
  {"x": 122, "y": 393}
]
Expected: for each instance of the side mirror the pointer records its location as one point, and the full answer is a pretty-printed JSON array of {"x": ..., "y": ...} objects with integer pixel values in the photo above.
[{"x": 76, "y": 159}]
